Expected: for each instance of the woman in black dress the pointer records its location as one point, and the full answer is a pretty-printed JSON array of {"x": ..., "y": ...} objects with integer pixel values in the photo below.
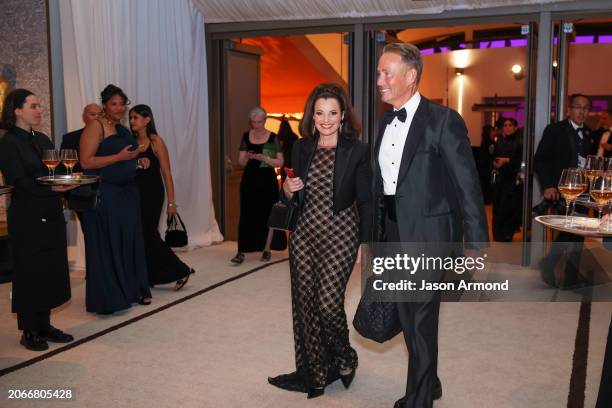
[
  {"x": 114, "y": 247},
  {"x": 36, "y": 224},
  {"x": 258, "y": 188},
  {"x": 332, "y": 190},
  {"x": 163, "y": 265},
  {"x": 507, "y": 190}
]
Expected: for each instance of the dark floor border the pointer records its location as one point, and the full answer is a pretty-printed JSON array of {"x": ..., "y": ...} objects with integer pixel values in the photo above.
[
  {"x": 94, "y": 336},
  {"x": 577, "y": 386}
]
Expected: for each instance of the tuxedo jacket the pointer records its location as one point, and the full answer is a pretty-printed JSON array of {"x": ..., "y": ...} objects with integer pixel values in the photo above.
[
  {"x": 438, "y": 196},
  {"x": 72, "y": 140},
  {"x": 352, "y": 177},
  {"x": 559, "y": 149}
]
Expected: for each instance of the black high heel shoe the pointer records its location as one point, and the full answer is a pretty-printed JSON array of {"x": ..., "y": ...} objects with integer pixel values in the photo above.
[
  {"x": 347, "y": 379},
  {"x": 315, "y": 392},
  {"x": 182, "y": 282}
]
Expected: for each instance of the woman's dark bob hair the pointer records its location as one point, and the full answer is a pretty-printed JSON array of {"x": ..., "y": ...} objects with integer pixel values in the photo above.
[
  {"x": 112, "y": 90},
  {"x": 145, "y": 111},
  {"x": 14, "y": 100},
  {"x": 350, "y": 125}
]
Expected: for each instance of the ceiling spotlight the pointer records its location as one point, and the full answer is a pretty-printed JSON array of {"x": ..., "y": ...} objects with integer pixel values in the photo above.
[
  {"x": 459, "y": 71},
  {"x": 555, "y": 64},
  {"x": 517, "y": 71}
]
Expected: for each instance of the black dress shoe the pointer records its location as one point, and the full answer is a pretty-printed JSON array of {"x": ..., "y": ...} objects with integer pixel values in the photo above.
[
  {"x": 238, "y": 258},
  {"x": 265, "y": 256},
  {"x": 436, "y": 394},
  {"x": 56, "y": 335},
  {"x": 33, "y": 341}
]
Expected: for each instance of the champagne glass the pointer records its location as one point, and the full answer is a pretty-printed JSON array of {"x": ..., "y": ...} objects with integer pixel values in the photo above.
[
  {"x": 51, "y": 159},
  {"x": 571, "y": 184},
  {"x": 69, "y": 159},
  {"x": 608, "y": 175},
  {"x": 601, "y": 191},
  {"x": 608, "y": 163},
  {"x": 592, "y": 166}
]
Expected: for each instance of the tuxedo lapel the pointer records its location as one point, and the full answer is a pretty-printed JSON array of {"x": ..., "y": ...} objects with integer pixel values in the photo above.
[
  {"x": 343, "y": 155},
  {"x": 415, "y": 135},
  {"x": 572, "y": 142},
  {"x": 378, "y": 182}
]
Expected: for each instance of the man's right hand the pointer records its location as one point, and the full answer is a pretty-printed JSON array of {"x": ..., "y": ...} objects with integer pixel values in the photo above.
[{"x": 551, "y": 193}]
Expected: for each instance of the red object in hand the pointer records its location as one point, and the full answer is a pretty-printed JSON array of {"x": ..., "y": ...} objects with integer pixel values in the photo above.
[{"x": 289, "y": 172}]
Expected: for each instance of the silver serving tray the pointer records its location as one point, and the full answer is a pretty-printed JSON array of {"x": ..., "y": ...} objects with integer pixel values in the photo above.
[
  {"x": 68, "y": 180},
  {"x": 588, "y": 202},
  {"x": 5, "y": 189},
  {"x": 584, "y": 226}
]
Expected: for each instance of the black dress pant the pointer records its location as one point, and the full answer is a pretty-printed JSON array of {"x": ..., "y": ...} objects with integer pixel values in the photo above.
[
  {"x": 419, "y": 322},
  {"x": 33, "y": 321},
  {"x": 569, "y": 246},
  {"x": 604, "y": 399}
]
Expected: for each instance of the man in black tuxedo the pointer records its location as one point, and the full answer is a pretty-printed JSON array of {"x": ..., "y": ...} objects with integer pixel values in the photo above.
[
  {"x": 426, "y": 189},
  {"x": 565, "y": 144},
  {"x": 72, "y": 140}
]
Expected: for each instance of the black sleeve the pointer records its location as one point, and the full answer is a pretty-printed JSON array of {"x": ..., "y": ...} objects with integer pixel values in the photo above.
[
  {"x": 15, "y": 173},
  {"x": 243, "y": 144},
  {"x": 459, "y": 160},
  {"x": 543, "y": 161},
  {"x": 363, "y": 188}
]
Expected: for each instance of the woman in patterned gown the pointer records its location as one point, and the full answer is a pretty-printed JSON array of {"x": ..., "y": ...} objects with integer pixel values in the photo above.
[{"x": 332, "y": 191}]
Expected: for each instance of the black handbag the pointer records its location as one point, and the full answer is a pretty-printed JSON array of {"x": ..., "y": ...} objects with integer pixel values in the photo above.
[
  {"x": 282, "y": 215},
  {"x": 375, "y": 318},
  {"x": 83, "y": 198},
  {"x": 175, "y": 236}
]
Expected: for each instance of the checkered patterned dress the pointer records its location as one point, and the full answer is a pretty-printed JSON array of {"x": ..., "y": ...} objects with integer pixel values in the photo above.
[{"x": 322, "y": 254}]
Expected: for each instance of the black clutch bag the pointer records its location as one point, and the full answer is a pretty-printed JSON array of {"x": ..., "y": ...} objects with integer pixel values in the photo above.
[
  {"x": 283, "y": 215},
  {"x": 176, "y": 233},
  {"x": 83, "y": 198},
  {"x": 375, "y": 318}
]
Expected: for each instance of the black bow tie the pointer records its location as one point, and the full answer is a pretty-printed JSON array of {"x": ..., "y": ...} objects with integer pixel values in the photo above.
[
  {"x": 579, "y": 129},
  {"x": 399, "y": 114}
]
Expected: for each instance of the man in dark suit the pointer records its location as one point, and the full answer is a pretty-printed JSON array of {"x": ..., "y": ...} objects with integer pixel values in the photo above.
[
  {"x": 565, "y": 144},
  {"x": 426, "y": 189},
  {"x": 72, "y": 140}
]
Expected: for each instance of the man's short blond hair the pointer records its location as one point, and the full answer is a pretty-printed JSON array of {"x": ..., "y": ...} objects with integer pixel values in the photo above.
[{"x": 410, "y": 55}]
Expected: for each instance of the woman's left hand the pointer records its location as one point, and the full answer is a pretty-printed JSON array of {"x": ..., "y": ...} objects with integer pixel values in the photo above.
[
  {"x": 171, "y": 210},
  {"x": 260, "y": 156}
]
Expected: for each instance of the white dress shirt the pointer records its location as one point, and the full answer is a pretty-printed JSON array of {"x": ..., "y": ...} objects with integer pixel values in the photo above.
[
  {"x": 392, "y": 145},
  {"x": 581, "y": 160}
]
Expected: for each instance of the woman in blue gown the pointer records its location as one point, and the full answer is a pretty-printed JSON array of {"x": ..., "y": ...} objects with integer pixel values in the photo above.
[{"x": 114, "y": 246}]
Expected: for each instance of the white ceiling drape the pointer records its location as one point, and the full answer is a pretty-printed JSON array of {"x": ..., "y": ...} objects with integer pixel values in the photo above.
[
  {"x": 225, "y": 11},
  {"x": 155, "y": 51}
]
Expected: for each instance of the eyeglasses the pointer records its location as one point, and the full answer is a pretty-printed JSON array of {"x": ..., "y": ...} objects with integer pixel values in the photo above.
[{"x": 578, "y": 107}]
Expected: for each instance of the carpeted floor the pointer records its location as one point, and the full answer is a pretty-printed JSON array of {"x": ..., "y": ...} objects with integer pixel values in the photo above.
[{"x": 217, "y": 348}]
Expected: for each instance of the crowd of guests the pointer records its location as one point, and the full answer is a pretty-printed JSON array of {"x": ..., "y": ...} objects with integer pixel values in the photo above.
[{"x": 125, "y": 254}]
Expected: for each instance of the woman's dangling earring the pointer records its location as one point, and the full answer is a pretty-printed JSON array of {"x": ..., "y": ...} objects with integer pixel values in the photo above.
[
  {"x": 340, "y": 129},
  {"x": 314, "y": 129}
]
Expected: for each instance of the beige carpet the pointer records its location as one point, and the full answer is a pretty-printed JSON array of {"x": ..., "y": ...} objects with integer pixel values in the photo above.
[{"x": 217, "y": 349}]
